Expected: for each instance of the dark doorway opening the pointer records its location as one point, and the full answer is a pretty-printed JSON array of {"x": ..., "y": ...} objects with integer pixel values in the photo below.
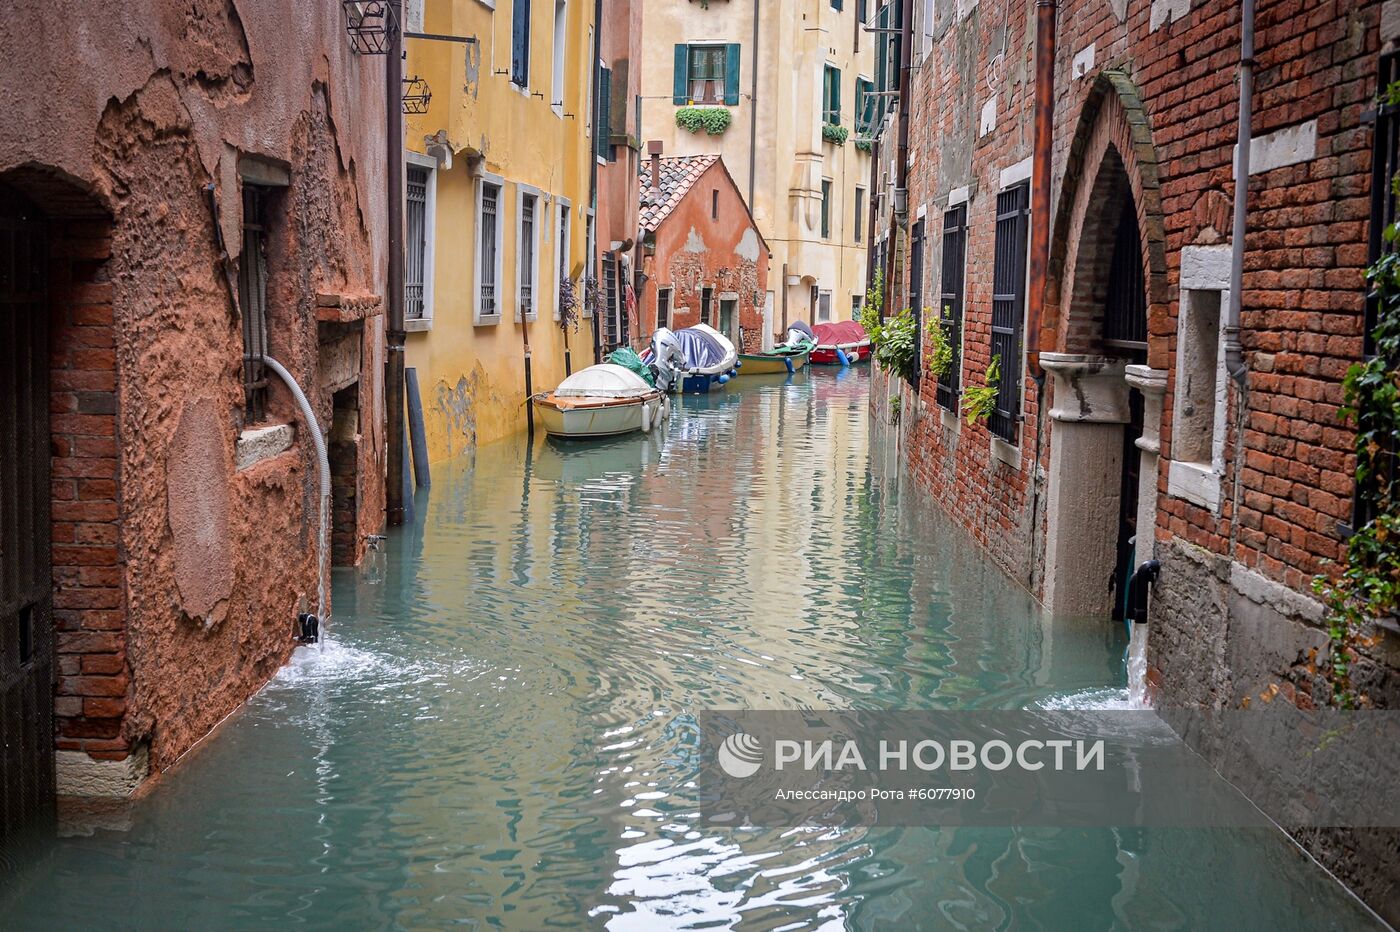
[
  {"x": 1128, "y": 503},
  {"x": 344, "y": 454},
  {"x": 727, "y": 308},
  {"x": 26, "y": 587}
]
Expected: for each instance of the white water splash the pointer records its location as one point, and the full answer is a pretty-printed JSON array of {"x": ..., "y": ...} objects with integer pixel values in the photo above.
[{"x": 1133, "y": 698}]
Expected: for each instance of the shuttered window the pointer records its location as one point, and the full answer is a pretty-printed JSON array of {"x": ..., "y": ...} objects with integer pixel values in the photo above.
[
  {"x": 859, "y": 218},
  {"x": 831, "y": 96},
  {"x": 520, "y": 43},
  {"x": 602, "y": 123},
  {"x": 1009, "y": 306},
  {"x": 706, "y": 74},
  {"x": 951, "y": 301},
  {"x": 916, "y": 293},
  {"x": 826, "y": 208},
  {"x": 866, "y": 103},
  {"x": 663, "y": 307}
]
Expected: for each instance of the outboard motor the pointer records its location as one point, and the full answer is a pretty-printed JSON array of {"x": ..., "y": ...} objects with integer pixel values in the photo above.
[{"x": 667, "y": 358}]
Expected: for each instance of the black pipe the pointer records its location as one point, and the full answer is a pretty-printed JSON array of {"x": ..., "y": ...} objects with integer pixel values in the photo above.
[
  {"x": 1139, "y": 587},
  {"x": 395, "y": 438},
  {"x": 592, "y": 260}
]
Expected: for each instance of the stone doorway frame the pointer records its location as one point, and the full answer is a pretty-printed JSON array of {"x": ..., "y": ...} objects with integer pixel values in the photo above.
[{"x": 1111, "y": 158}]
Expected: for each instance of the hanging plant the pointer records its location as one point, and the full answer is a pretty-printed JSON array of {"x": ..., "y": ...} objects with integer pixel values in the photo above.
[
  {"x": 979, "y": 401},
  {"x": 940, "y": 360},
  {"x": 837, "y": 134},
  {"x": 865, "y": 144},
  {"x": 590, "y": 295},
  {"x": 568, "y": 304},
  {"x": 713, "y": 120},
  {"x": 897, "y": 345},
  {"x": 896, "y": 405}
]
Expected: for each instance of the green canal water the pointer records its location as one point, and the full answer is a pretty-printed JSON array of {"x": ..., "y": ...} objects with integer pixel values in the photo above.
[{"x": 491, "y": 739}]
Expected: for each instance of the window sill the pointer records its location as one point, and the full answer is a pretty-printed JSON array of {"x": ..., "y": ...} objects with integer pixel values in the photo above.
[
  {"x": 1198, "y": 483},
  {"x": 257, "y": 444},
  {"x": 418, "y": 325},
  {"x": 1006, "y": 453},
  {"x": 487, "y": 320},
  {"x": 949, "y": 420}
]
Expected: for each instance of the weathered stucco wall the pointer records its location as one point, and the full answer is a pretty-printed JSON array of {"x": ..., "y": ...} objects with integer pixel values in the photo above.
[
  {"x": 695, "y": 250},
  {"x": 158, "y": 100}
]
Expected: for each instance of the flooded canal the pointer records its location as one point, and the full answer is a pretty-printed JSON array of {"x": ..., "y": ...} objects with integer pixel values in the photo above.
[{"x": 492, "y": 737}]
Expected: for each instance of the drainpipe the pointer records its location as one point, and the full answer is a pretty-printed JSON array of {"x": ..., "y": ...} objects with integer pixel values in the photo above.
[
  {"x": 1234, "y": 352},
  {"x": 1040, "y": 170},
  {"x": 591, "y": 265},
  {"x": 899, "y": 215},
  {"x": 753, "y": 108},
  {"x": 871, "y": 212},
  {"x": 394, "y": 365}
]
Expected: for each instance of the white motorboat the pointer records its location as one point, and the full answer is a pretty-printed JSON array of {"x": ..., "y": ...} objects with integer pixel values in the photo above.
[{"x": 601, "y": 401}]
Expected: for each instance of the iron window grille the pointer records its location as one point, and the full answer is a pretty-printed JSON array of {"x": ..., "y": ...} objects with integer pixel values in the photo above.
[
  {"x": 252, "y": 299},
  {"x": 490, "y": 220},
  {"x": 663, "y": 308},
  {"x": 612, "y": 295},
  {"x": 526, "y": 260},
  {"x": 1008, "y": 306},
  {"x": 416, "y": 211},
  {"x": 1385, "y": 165},
  {"x": 1125, "y": 309},
  {"x": 916, "y": 297},
  {"x": 950, "y": 304}
]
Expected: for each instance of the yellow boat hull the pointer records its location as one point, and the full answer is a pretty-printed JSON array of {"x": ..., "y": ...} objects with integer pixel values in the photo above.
[{"x": 765, "y": 364}]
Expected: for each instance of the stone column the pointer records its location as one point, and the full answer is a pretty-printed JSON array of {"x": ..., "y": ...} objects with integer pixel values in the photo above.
[
  {"x": 1086, "y": 467},
  {"x": 1153, "y": 385}
]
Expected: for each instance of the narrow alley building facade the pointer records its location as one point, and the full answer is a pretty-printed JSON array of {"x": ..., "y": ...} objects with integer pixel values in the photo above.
[
  {"x": 1117, "y": 433},
  {"x": 783, "y": 91},
  {"x": 192, "y": 200},
  {"x": 499, "y": 170}
]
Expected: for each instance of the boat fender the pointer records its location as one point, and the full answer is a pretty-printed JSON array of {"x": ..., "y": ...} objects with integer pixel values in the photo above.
[
  {"x": 787, "y": 361},
  {"x": 723, "y": 379},
  {"x": 841, "y": 357},
  {"x": 738, "y": 363},
  {"x": 646, "y": 418}
]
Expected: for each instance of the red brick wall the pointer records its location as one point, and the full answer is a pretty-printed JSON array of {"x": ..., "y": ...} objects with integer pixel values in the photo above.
[
  {"x": 1308, "y": 227},
  {"x": 88, "y": 571}
]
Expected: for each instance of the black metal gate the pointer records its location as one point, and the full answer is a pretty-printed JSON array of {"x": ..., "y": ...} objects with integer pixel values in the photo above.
[
  {"x": 950, "y": 311},
  {"x": 1009, "y": 306},
  {"x": 26, "y": 627}
]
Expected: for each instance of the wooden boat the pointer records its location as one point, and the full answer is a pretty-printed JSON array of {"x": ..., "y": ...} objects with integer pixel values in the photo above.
[
  {"x": 710, "y": 359},
  {"x": 841, "y": 342},
  {"x": 773, "y": 363},
  {"x": 601, "y": 401}
]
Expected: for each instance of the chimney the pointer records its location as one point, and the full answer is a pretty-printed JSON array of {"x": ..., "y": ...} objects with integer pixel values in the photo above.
[{"x": 654, "y": 150}]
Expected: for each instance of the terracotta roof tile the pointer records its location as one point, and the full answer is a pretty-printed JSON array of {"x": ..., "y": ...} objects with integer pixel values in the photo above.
[{"x": 678, "y": 175}]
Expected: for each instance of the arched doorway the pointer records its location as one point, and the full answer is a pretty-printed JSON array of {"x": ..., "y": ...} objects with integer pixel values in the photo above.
[
  {"x": 26, "y": 588},
  {"x": 1109, "y": 253}
]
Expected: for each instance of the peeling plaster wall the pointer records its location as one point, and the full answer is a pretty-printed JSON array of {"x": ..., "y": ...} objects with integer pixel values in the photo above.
[
  {"x": 694, "y": 252},
  {"x": 157, "y": 100}
]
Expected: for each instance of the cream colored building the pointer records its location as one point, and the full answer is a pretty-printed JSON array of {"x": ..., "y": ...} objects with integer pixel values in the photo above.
[{"x": 808, "y": 71}]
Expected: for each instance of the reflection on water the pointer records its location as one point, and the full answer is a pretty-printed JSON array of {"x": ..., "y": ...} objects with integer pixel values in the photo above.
[{"x": 502, "y": 731}]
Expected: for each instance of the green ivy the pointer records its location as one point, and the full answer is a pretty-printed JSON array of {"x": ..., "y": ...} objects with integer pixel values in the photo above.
[
  {"x": 897, "y": 345},
  {"x": 837, "y": 134},
  {"x": 874, "y": 302},
  {"x": 979, "y": 401},
  {"x": 940, "y": 360},
  {"x": 713, "y": 120}
]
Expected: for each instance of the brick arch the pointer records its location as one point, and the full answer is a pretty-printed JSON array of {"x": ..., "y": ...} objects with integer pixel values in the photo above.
[{"x": 1111, "y": 156}]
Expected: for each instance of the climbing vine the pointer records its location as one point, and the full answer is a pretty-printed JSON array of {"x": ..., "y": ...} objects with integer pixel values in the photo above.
[
  {"x": 1366, "y": 586},
  {"x": 979, "y": 401},
  {"x": 940, "y": 359},
  {"x": 874, "y": 302},
  {"x": 713, "y": 120}
]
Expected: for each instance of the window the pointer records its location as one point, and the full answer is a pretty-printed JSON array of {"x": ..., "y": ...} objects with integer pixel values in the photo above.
[
  {"x": 707, "y": 296},
  {"x": 1009, "y": 305},
  {"x": 836, "y": 4},
  {"x": 831, "y": 96},
  {"x": 823, "y": 306},
  {"x": 714, "y": 204},
  {"x": 663, "y": 307},
  {"x": 490, "y": 238},
  {"x": 527, "y": 257},
  {"x": 613, "y": 333},
  {"x": 561, "y": 253},
  {"x": 950, "y": 311},
  {"x": 590, "y": 268},
  {"x": 857, "y": 302},
  {"x": 826, "y": 208},
  {"x": 916, "y": 293},
  {"x": 602, "y": 118},
  {"x": 520, "y": 43},
  {"x": 859, "y": 223},
  {"x": 420, "y": 220},
  {"x": 866, "y": 103},
  {"x": 706, "y": 74},
  {"x": 1125, "y": 310},
  {"x": 252, "y": 300},
  {"x": 561, "y": 31}
]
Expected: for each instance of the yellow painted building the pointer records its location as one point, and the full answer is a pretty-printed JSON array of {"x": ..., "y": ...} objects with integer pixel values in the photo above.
[
  {"x": 497, "y": 208},
  {"x": 792, "y": 83}
]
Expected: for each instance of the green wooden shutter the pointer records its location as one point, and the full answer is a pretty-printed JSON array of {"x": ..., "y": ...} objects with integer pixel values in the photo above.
[
  {"x": 836, "y": 4},
  {"x": 680, "y": 89},
  {"x": 602, "y": 129},
  {"x": 731, "y": 74}
]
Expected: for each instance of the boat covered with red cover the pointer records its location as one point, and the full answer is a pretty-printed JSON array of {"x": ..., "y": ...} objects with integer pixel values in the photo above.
[{"x": 848, "y": 336}]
